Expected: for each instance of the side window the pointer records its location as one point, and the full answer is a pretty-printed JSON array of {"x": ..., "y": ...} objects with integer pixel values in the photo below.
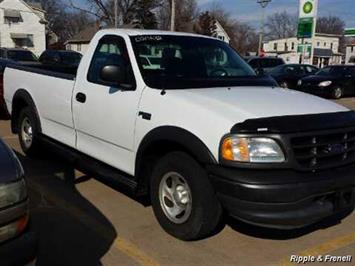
[
  {"x": 310, "y": 70},
  {"x": 254, "y": 63},
  {"x": 111, "y": 50}
]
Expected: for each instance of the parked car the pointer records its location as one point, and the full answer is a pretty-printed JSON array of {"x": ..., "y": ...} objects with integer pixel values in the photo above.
[
  {"x": 61, "y": 60},
  {"x": 288, "y": 75},
  {"x": 332, "y": 81},
  {"x": 17, "y": 55},
  {"x": 264, "y": 64},
  {"x": 18, "y": 243},
  {"x": 200, "y": 136}
]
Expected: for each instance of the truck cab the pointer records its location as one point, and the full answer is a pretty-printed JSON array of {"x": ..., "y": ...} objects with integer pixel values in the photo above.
[{"x": 199, "y": 134}]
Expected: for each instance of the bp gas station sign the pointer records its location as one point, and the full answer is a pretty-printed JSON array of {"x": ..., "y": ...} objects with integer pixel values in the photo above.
[{"x": 307, "y": 17}]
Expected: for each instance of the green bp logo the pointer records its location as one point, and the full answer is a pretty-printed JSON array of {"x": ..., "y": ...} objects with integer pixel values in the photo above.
[{"x": 307, "y": 7}]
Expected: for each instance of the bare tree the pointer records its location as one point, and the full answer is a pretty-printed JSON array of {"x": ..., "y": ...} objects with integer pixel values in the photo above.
[
  {"x": 281, "y": 25},
  {"x": 63, "y": 21},
  {"x": 206, "y": 24},
  {"x": 134, "y": 12},
  {"x": 243, "y": 37},
  {"x": 330, "y": 25},
  {"x": 186, "y": 14}
]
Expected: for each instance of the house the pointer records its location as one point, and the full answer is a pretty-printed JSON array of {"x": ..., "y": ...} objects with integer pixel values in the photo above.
[
  {"x": 320, "y": 51},
  {"x": 350, "y": 53},
  {"x": 80, "y": 42},
  {"x": 23, "y": 25},
  {"x": 220, "y": 33}
]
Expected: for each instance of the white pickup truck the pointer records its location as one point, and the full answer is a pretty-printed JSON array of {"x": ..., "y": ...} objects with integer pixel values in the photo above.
[{"x": 199, "y": 133}]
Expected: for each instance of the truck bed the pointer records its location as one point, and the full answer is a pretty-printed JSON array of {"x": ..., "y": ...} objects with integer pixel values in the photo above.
[{"x": 51, "y": 93}]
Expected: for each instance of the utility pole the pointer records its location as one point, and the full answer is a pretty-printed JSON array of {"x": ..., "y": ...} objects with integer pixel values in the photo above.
[
  {"x": 263, "y": 4},
  {"x": 173, "y": 14},
  {"x": 116, "y": 14}
]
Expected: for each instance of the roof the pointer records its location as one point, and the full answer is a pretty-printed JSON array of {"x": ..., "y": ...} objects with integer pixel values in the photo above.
[{"x": 86, "y": 35}]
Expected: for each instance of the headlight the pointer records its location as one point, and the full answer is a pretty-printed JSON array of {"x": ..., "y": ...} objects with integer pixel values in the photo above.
[
  {"x": 12, "y": 193},
  {"x": 299, "y": 83},
  {"x": 253, "y": 150},
  {"x": 325, "y": 83}
]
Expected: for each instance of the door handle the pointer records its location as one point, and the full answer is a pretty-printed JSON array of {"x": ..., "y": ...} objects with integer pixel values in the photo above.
[{"x": 80, "y": 97}]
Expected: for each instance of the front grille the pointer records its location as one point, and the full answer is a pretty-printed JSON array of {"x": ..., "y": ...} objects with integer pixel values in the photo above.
[{"x": 324, "y": 150}]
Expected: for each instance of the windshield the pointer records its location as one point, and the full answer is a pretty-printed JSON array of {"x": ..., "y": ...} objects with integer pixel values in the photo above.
[
  {"x": 331, "y": 71},
  {"x": 189, "y": 62},
  {"x": 71, "y": 58},
  {"x": 21, "y": 56}
]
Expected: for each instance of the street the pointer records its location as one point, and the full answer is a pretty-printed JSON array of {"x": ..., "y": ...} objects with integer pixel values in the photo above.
[{"x": 81, "y": 221}]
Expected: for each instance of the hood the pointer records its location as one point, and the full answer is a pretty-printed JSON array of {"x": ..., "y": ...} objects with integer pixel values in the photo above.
[
  {"x": 10, "y": 168},
  {"x": 318, "y": 78},
  {"x": 241, "y": 103}
]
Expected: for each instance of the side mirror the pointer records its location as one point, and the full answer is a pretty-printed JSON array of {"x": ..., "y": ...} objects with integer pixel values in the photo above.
[
  {"x": 115, "y": 75},
  {"x": 112, "y": 74}
]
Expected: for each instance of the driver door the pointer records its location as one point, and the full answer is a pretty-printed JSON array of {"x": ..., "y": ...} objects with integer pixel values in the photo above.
[{"x": 105, "y": 115}]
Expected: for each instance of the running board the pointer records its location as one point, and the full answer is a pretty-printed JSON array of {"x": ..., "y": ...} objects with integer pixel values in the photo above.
[{"x": 88, "y": 165}]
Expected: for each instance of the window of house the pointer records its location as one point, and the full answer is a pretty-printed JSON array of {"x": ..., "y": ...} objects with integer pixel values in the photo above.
[
  {"x": 293, "y": 46},
  {"x": 275, "y": 46},
  {"x": 24, "y": 42},
  {"x": 352, "y": 49},
  {"x": 318, "y": 44},
  {"x": 286, "y": 46},
  {"x": 12, "y": 16},
  {"x": 325, "y": 44},
  {"x": 79, "y": 47},
  {"x": 331, "y": 46}
]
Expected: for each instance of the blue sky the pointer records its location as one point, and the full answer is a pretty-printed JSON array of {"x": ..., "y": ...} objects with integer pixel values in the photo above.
[{"x": 249, "y": 11}]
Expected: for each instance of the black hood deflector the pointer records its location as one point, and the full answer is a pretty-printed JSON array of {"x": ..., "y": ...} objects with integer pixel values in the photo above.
[{"x": 296, "y": 123}]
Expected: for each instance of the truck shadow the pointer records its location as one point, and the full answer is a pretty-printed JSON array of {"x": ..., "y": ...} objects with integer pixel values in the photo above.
[
  {"x": 65, "y": 240},
  {"x": 71, "y": 231}
]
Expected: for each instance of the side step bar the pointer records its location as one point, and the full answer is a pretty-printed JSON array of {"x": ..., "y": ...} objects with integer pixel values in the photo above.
[{"x": 103, "y": 172}]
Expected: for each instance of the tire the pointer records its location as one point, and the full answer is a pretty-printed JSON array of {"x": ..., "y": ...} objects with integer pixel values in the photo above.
[
  {"x": 28, "y": 126},
  {"x": 194, "y": 193},
  {"x": 337, "y": 93},
  {"x": 284, "y": 85}
]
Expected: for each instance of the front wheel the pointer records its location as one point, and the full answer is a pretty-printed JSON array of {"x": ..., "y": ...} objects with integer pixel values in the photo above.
[
  {"x": 183, "y": 199},
  {"x": 337, "y": 93},
  {"x": 28, "y": 132}
]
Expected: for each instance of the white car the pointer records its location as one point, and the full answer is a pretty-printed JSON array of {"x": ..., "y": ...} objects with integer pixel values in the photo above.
[{"x": 200, "y": 135}]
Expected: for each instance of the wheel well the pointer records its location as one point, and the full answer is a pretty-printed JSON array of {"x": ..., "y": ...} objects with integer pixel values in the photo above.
[
  {"x": 22, "y": 99},
  {"x": 149, "y": 157},
  {"x": 17, "y": 105},
  {"x": 151, "y": 154}
]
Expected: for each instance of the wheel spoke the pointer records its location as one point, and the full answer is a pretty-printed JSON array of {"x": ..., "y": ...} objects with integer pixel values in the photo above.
[{"x": 175, "y": 197}]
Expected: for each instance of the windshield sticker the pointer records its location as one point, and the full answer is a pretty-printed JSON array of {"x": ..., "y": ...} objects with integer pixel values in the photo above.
[{"x": 148, "y": 38}]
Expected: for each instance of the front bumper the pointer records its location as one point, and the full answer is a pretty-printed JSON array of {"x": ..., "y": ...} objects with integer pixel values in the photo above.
[
  {"x": 20, "y": 250},
  {"x": 284, "y": 199}
]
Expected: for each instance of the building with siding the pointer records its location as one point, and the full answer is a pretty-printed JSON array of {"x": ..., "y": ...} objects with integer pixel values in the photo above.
[
  {"x": 324, "y": 51},
  {"x": 22, "y": 25}
]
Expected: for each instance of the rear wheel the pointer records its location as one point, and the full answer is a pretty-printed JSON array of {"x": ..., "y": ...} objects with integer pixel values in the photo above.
[
  {"x": 28, "y": 132},
  {"x": 184, "y": 201},
  {"x": 337, "y": 93}
]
